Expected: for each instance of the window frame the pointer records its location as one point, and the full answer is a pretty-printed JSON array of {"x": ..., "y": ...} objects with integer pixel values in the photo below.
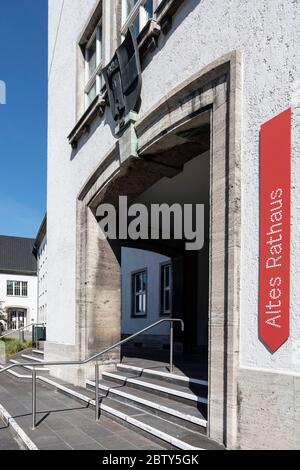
[
  {"x": 21, "y": 285},
  {"x": 95, "y": 79},
  {"x": 134, "y": 294},
  {"x": 163, "y": 289},
  {"x": 137, "y": 10}
]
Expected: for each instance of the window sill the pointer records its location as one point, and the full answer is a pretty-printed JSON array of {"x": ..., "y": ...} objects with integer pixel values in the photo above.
[
  {"x": 164, "y": 12},
  {"x": 17, "y": 296},
  {"x": 95, "y": 109}
]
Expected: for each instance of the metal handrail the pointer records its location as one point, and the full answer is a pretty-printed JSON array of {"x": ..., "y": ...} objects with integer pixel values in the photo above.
[
  {"x": 23, "y": 328},
  {"x": 92, "y": 359}
]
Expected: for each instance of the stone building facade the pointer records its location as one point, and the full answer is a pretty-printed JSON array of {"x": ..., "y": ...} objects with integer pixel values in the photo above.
[{"x": 212, "y": 73}]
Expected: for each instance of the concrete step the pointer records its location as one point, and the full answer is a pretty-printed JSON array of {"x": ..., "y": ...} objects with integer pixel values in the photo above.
[
  {"x": 175, "y": 435},
  {"x": 162, "y": 374},
  {"x": 179, "y": 413},
  {"x": 31, "y": 358},
  {"x": 193, "y": 394},
  {"x": 38, "y": 369},
  {"x": 38, "y": 351},
  {"x": 17, "y": 372}
]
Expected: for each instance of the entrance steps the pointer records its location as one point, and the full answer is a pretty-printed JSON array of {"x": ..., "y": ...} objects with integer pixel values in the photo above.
[
  {"x": 176, "y": 401},
  {"x": 171, "y": 409},
  {"x": 25, "y": 372}
]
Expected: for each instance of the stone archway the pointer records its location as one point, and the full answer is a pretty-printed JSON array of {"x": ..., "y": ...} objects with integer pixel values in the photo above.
[{"x": 201, "y": 113}]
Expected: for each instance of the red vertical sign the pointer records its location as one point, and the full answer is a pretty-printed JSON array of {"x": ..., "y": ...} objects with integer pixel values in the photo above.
[{"x": 275, "y": 230}]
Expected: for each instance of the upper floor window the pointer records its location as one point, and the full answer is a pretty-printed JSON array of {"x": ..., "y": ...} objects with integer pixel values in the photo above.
[
  {"x": 93, "y": 66},
  {"x": 139, "y": 294},
  {"x": 166, "y": 289},
  {"x": 136, "y": 13},
  {"x": 17, "y": 289}
]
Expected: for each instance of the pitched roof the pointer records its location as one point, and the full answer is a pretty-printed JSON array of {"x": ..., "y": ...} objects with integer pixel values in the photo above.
[{"x": 16, "y": 256}]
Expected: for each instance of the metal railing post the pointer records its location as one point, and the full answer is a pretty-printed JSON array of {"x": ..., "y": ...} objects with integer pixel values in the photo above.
[
  {"x": 97, "y": 391},
  {"x": 93, "y": 359},
  {"x": 33, "y": 398},
  {"x": 171, "y": 347}
]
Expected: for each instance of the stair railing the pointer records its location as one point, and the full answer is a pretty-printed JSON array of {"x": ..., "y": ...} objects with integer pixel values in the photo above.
[
  {"x": 21, "y": 331},
  {"x": 95, "y": 359}
]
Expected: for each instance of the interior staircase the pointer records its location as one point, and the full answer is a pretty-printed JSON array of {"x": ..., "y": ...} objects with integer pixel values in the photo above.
[{"x": 171, "y": 408}]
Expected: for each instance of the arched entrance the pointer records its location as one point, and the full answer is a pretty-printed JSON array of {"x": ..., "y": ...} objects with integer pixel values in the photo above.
[{"x": 200, "y": 116}]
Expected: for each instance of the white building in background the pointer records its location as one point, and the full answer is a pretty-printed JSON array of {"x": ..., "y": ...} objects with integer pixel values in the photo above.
[
  {"x": 18, "y": 281},
  {"x": 41, "y": 257}
]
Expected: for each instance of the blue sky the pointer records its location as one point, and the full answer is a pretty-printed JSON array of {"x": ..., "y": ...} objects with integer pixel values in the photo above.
[{"x": 23, "y": 120}]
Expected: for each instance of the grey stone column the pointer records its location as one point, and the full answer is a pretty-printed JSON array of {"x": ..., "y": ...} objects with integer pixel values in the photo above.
[{"x": 98, "y": 323}]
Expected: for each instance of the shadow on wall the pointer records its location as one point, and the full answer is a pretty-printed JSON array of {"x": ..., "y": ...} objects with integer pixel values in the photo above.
[
  {"x": 177, "y": 19},
  {"x": 105, "y": 120}
]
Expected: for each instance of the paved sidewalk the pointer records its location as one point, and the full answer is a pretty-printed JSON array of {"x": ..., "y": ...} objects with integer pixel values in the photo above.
[
  {"x": 64, "y": 423},
  {"x": 7, "y": 441}
]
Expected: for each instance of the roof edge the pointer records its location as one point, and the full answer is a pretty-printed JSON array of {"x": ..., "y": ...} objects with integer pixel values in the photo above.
[{"x": 41, "y": 234}]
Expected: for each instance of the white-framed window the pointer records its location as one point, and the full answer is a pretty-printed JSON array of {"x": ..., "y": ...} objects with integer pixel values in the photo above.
[
  {"x": 166, "y": 282},
  {"x": 139, "y": 294},
  {"x": 136, "y": 13},
  {"x": 93, "y": 66},
  {"x": 17, "y": 289}
]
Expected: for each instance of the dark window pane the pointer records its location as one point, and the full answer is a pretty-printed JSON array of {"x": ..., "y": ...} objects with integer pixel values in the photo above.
[
  {"x": 144, "y": 278},
  {"x": 136, "y": 25},
  {"x": 10, "y": 288},
  {"x": 167, "y": 276},
  {"x": 149, "y": 8},
  {"x": 137, "y": 304},
  {"x": 138, "y": 282},
  {"x": 167, "y": 300},
  {"x": 92, "y": 58}
]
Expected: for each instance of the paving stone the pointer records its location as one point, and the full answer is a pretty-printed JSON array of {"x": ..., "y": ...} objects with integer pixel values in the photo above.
[
  {"x": 7, "y": 441},
  {"x": 98, "y": 431},
  {"x": 66, "y": 423},
  {"x": 118, "y": 444}
]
